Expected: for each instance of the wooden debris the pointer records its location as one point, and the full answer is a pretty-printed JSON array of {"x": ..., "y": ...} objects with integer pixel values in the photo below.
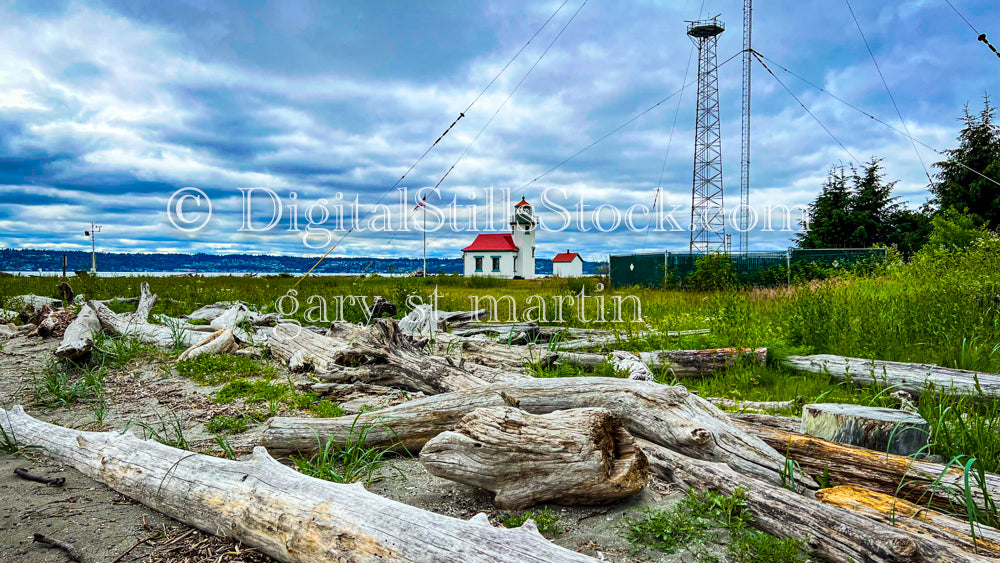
[
  {"x": 71, "y": 551},
  {"x": 219, "y": 342},
  {"x": 830, "y": 533},
  {"x": 911, "y": 377},
  {"x": 914, "y": 518},
  {"x": 424, "y": 320},
  {"x": 763, "y": 406},
  {"x": 631, "y": 364},
  {"x": 883, "y": 430},
  {"x": 24, "y": 474},
  {"x": 669, "y": 416},
  {"x": 569, "y": 457},
  {"x": 78, "y": 340},
  {"x": 918, "y": 481},
  {"x": 352, "y": 398},
  {"x": 136, "y": 323},
  {"x": 281, "y": 512},
  {"x": 677, "y": 363}
]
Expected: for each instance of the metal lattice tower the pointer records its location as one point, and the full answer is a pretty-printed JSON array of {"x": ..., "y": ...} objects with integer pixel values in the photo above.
[
  {"x": 745, "y": 136},
  {"x": 708, "y": 218}
]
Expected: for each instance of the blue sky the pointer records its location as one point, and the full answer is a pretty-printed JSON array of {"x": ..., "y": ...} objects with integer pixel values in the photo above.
[{"x": 107, "y": 108}]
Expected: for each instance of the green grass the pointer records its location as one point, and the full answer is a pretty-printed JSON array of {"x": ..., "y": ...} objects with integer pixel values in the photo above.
[
  {"x": 222, "y": 424},
  {"x": 345, "y": 462},
  {"x": 169, "y": 433},
  {"x": 118, "y": 351},
  {"x": 546, "y": 520},
  {"x": 8, "y": 441},
  {"x": 223, "y": 368},
  {"x": 696, "y": 521},
  {"x": 327, "y": 409},
  {"x": 64, "y": 384}
]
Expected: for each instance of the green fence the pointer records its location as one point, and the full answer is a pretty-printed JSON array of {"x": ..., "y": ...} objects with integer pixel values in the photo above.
[{"x": 756, "y": 268}]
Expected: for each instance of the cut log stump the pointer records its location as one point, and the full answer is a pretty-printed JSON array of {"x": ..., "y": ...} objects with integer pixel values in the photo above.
[
  {"x": 570, "y": 457},
  {"x": 874, "y": 428}
]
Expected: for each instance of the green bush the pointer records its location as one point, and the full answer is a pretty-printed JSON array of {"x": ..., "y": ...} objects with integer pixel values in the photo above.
[{"x": 713, "y": 272}]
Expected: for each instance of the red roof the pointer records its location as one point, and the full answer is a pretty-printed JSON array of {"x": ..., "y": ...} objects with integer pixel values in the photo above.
[
  {"x": 492, "y": 241},
  {"x": 522, "y": 203},
  {"x": 566, "y": 257}
]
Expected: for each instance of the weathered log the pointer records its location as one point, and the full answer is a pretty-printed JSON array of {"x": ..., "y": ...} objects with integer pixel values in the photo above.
[
  {"x": 35, "y": 301},
  {"x": 918, "y": 481},
  {"x": 53, "y": 322},
  {"x": 670, "y": 416},
  {"x": 630, "y": 363},
  {"x": 875, "y": 428},
  {"x": 136, "y": 323},
  {"x": 240, "y": 313},
  {"x": 571, "y": 457},
  {"x": 831, "y": 533},
  {"x": 284, "y": 514},
  {"x": 914, "y": 518},
  {"x": 210, "y": 312},
  {"x": 424, "y": 320},
  {"x": 678, "y": 363},
  {"x": 763, "y": 406},
  {"x": 219, "y": 342},
  {"x": 912, "y": 377},
  {"x": 352, "y": 398},
  {"x": 378, "y": 354},
  {"x": 78, "y": 340}
]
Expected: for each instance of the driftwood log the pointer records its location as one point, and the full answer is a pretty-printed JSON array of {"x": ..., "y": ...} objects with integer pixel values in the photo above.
[
  {"x": 78, "y": 340},
  {"x": 678, "y": 363},
  {"x": 379, "y": 354},
  {"x": 669, "y": 416},
  {"x": 918, "y": 481},
  {"x": 831, "y": 533},
  {"x": 284, "y": 514},
  {"x": 571, "y": 457},
  {"x": 761, "y": 406},
  {"x": 911, "y": 377},
  {"x": 914, "y": 518},
  {"x": 137, "y": 323},
  {"x": 629, "y": 363}
]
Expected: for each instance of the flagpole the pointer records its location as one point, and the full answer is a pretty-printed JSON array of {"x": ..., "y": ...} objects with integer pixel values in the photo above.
[{"x": 425, "y": 240}]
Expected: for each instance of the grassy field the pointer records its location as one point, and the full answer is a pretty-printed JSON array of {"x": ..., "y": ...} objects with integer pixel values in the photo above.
[{"x": 941, "y": 307}]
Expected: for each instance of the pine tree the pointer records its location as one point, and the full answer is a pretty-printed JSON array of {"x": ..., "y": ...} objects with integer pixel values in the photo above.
[
  {"x": 962, "y": 189},
  {"x": 872, "y": 206},
  {"x": 828, "y": 214}
]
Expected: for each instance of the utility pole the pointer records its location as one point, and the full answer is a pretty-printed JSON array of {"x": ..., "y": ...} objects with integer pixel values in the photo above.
[{"x": 94, "y": 229}]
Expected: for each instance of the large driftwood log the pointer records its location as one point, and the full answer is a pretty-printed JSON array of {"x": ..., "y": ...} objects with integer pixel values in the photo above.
[
  {"x": 831, "y": 533},
  {"x": 288, "y": 516},
  {"x": 918, "y": 481},
  {"x": 78, "y": 340},
  {"x": 669, "y": 416},
  {"x": 631, "y": 364},
  {"x": 574, "y": 457},
  {"x": 136, "y": 323},
  {"x": 678, "y": 363},
  {"x": 379, "y": 354},
  {"x": 761, "y": 406},
  {"x": 912, "y": 377},
  {"x": 914, "y": 518}
]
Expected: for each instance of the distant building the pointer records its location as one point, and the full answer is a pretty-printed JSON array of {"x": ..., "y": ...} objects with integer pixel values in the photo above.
[
  {"x": 567, "y": 265},
  {"x": 502, "y": 255}
]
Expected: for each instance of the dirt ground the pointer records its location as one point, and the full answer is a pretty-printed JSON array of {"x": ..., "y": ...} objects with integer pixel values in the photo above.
[{"x": 104, "y": 525}]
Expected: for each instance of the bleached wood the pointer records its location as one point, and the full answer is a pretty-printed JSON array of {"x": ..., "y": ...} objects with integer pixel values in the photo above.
[
  {"x": 876, "y": 428},
  {"x": 764, "y": 406},
  {"x": 630, "y": 363},
  {"x": 570, "y": 457},
  {"x": 677, "y": 363},
  {"x": 286, "y": 515},
  {"x": 78, "y": 340},
  {"x": 670, "y": 416},
  {"x": 911, "y": 377},
  {"x": 219, "y": 342}
]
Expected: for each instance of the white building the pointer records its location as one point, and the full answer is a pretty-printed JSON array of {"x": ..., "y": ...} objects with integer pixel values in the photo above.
[
  {"x": 567, "y": 265},
  {"x": 501, "y": 255}
]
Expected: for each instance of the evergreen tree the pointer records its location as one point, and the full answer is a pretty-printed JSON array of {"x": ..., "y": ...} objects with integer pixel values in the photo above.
[
  {"x": 960, "y": 188},
  {"x": 828, "y": 214},
  {"x": 872, "y": 207}
]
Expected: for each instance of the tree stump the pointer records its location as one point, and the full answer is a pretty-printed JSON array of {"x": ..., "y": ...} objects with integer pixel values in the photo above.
[
  {"x": 574, "y": 457},
  {"x": 883, "y": 430}
]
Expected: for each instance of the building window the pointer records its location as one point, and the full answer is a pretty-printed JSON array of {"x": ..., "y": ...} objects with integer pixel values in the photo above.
[
  {"x": 515, "y": 262},
  {"x": 479, "y": 263},
  {"x": 496, "y": 263}
]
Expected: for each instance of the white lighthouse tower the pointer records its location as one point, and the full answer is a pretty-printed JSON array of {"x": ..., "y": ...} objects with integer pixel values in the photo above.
[{"x": 522, "y": 225}]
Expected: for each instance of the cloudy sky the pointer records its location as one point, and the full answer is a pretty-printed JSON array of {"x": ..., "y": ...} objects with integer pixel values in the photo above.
[{"x": 108, "y": 108}]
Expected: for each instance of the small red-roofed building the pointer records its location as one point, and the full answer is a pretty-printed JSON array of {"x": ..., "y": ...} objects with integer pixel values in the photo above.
[
  {"x": 567, "y": 265},
  {"x": 504, "y": 255}
]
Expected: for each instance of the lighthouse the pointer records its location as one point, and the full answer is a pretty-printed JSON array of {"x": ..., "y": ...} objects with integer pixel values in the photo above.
[{"x": 502, "y": 255}]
